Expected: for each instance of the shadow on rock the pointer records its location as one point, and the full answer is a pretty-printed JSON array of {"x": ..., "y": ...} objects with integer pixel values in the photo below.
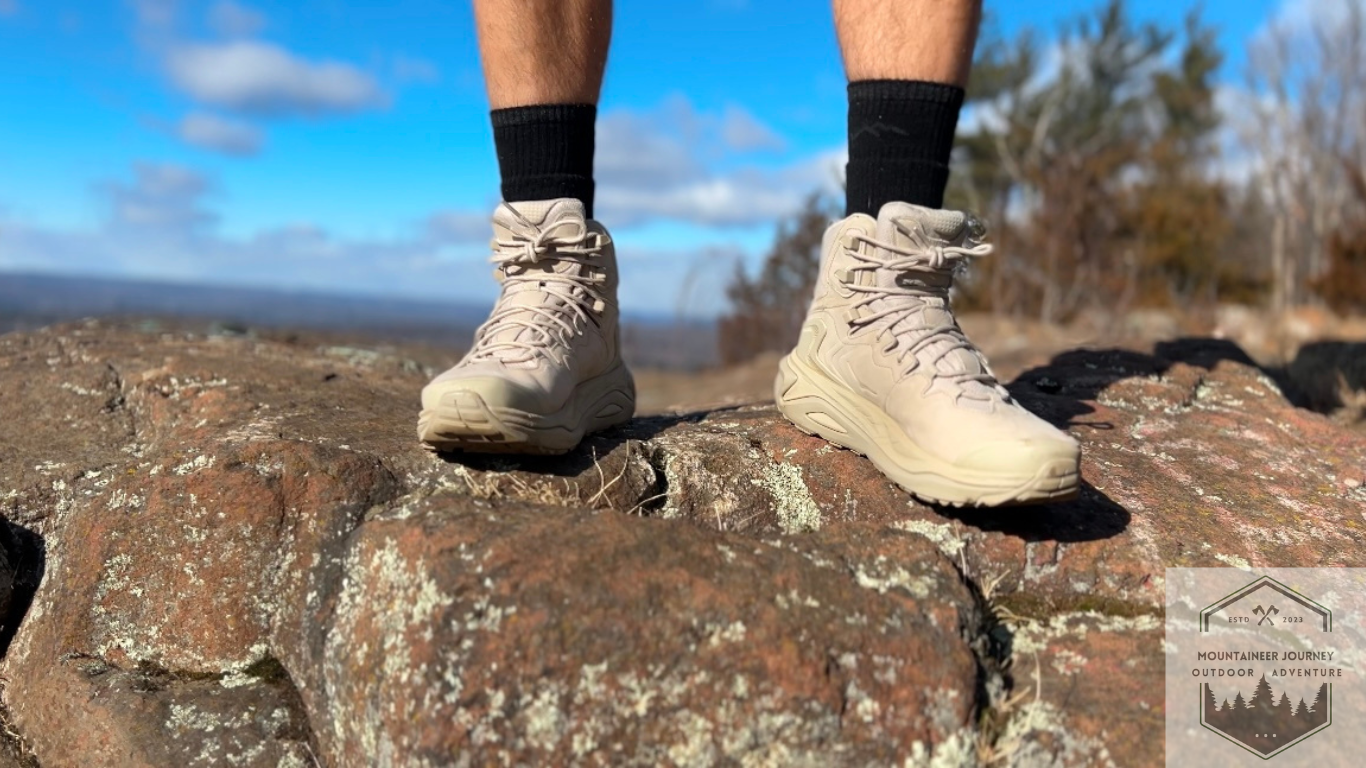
[
  {"x": 1091, "y": 516},
  {"x": 1061, "y": 393},
  {"x": 582, "y": 458},
  {"x": 23, "y": 560},
  {"x": 1329, "y": 376},
  {"x": 1057, "y": 391}
]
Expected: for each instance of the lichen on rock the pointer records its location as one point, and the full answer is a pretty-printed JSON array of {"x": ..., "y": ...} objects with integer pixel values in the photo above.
[{"x": 215, "y": 551}]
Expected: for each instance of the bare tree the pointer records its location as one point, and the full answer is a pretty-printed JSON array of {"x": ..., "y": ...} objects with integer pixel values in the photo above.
[
  {"x": 1308, "y": 112},
  {"x": 1094, "y": 162},
  {"x": 766, "y": 310}
]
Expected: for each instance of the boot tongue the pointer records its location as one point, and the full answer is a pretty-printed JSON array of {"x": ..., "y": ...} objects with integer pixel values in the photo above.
[
  {"x": 538, "y": 213},
  {"x": 915, "y": 228},
  {"x": 946, "y": 226},
  {"x": 524, "y": 221}
]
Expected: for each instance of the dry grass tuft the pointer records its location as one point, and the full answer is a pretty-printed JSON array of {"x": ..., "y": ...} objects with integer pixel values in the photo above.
[{"x": 993, "y": 747}]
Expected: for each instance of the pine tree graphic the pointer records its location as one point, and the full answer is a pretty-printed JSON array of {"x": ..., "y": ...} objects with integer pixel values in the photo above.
[{"x": 1265, "y": 722}]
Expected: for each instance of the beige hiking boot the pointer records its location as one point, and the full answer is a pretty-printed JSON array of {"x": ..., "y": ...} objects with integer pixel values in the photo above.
[
  {"x": 545, "y": 368},
  {"x": 882, "y": 368}
]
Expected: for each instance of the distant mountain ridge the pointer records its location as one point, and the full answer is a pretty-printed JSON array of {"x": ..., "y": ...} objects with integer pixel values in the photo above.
[{"x": 31, "y": 300}]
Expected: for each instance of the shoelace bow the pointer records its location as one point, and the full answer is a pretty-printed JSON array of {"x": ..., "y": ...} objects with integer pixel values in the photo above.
[
  {"x": 553, "y": 322},
  {"x": 923, "y": 257}
]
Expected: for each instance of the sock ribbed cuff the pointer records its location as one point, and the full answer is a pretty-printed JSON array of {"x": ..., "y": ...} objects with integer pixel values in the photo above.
[
  {"x": 900, "y": 139},
  {"x": 545, "y": 151}
]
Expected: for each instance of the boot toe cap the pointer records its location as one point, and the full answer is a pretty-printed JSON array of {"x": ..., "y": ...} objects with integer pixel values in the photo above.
[
  {"x": 1024, "y": 457},
  {"x": 491, "y": 391}
]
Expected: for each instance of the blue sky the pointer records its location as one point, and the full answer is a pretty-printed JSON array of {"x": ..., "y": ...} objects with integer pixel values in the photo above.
[{"x": 342, "y": 146}]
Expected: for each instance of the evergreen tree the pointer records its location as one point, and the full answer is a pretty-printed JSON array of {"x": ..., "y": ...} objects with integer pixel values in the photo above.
[
  {"x": 1239, "y": 722},
  {"x": 1262, "y": 696},
  {"x": 1178, "y": 216},
  {"x": 1097, "y": 179},
  {"x": 1285, "y": 716},
  {"x": 1209, "y": 706},
  {"x": 1320, "y": 706},
  {"x": 1262, "y": 704},
  {"x": 766, "y": 310},
  {"x": 1304, "y": 718}
]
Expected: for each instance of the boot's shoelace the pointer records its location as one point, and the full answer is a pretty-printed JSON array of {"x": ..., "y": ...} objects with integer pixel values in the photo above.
[
  {"x": 574, "y": 296},
  {"x": 904, "y": 300}
]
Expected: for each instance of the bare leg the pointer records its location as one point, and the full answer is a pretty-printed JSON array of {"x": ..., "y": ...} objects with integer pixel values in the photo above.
[
  {"x": 896, "y": 252},
  {"x": 545, "y": 368},
  {"x": 928, "y": 40},
  {"x": 543, "y": 51}
]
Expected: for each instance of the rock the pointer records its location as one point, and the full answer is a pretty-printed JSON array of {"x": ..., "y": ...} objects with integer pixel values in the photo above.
[
  {"x": 246, "y": 559},
  {"x": 88, "y": 712},
  {"x": 534, "y": 635}
]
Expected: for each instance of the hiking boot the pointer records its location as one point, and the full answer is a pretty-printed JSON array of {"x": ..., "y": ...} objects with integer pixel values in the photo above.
[
  {"x": 882, "y": 368},
  {"x": 545, "y": 368}
]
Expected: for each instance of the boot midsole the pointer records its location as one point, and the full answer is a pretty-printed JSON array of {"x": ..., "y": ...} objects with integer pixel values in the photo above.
[
  {"x": 803, "y": 389},
  {"x": 579, "y": 415}
]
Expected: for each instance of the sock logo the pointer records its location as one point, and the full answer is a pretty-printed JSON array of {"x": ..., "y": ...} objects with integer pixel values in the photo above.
[{"x": 876, "y": 130}]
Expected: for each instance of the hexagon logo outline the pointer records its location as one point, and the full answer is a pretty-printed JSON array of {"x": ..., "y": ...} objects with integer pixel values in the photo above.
[
  {"x": 1320, "y": 715},
  {"x": 1328, "y": 705},
  {"x": 1260, "y": 583}
]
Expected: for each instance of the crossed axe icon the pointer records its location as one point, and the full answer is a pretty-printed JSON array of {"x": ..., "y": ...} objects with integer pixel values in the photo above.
[{"x": 1266, "y": 614}]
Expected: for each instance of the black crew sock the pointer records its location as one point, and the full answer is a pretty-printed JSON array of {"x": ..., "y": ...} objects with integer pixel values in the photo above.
[
  {"x": 900, "y": 139},
  {"x": 546, "y": 151}
]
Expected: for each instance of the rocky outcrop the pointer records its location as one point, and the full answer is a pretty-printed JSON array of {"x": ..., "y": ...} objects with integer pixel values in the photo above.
[{"x": 220, "y": 551}]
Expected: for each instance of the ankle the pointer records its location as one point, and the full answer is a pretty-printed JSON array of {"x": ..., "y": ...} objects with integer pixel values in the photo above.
[
  {"x": 900, "y": 138},
  {"x": 545, "y": 152}
]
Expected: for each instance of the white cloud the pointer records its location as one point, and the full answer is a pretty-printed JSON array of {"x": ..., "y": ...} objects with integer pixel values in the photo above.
[
  {"x": 458, "y": 227},
  {"x": 162, "y": 197},
  {"x": 156, "y": 14},
  {"x": 263, "y": 79},
  {"x": 742, "y": 132},
  {"x": 670, "y": 173},
  {"x": 747, "y": 197},
  {"x": 9, "y": 7},
  {"x": 408, "y": 69},
  {"x": 230, "y": 19},
  {"x": 219, "y": 134},
  {"x": 638, "y": 150},
  {"x": 674, "y": 162},
  {"x": 678, "y": 282},
  {"x": 158, "y": 226},
  {"x": 1301, "y": 17}
]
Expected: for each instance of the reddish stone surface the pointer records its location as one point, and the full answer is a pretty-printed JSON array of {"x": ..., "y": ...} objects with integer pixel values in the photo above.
[
  {"x": 96, "y": 715},
  {"x": 1088, "y": 690},
  {"x": 242, "y": 527},
  {"x": 537, "y": 635}
]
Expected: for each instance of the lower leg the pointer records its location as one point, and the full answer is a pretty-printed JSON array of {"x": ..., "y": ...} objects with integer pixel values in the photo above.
[
  {"x": 543, "y": 51},
  {"x": 543, "y": 66},
  {"x": 929, "y": 40},
  {"x": 907, "y": 62}
]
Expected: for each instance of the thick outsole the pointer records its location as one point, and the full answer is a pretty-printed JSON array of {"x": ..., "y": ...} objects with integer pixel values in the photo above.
[
  {"x": 820, "y": 406},
  {"x": 463, "y": 421}
]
